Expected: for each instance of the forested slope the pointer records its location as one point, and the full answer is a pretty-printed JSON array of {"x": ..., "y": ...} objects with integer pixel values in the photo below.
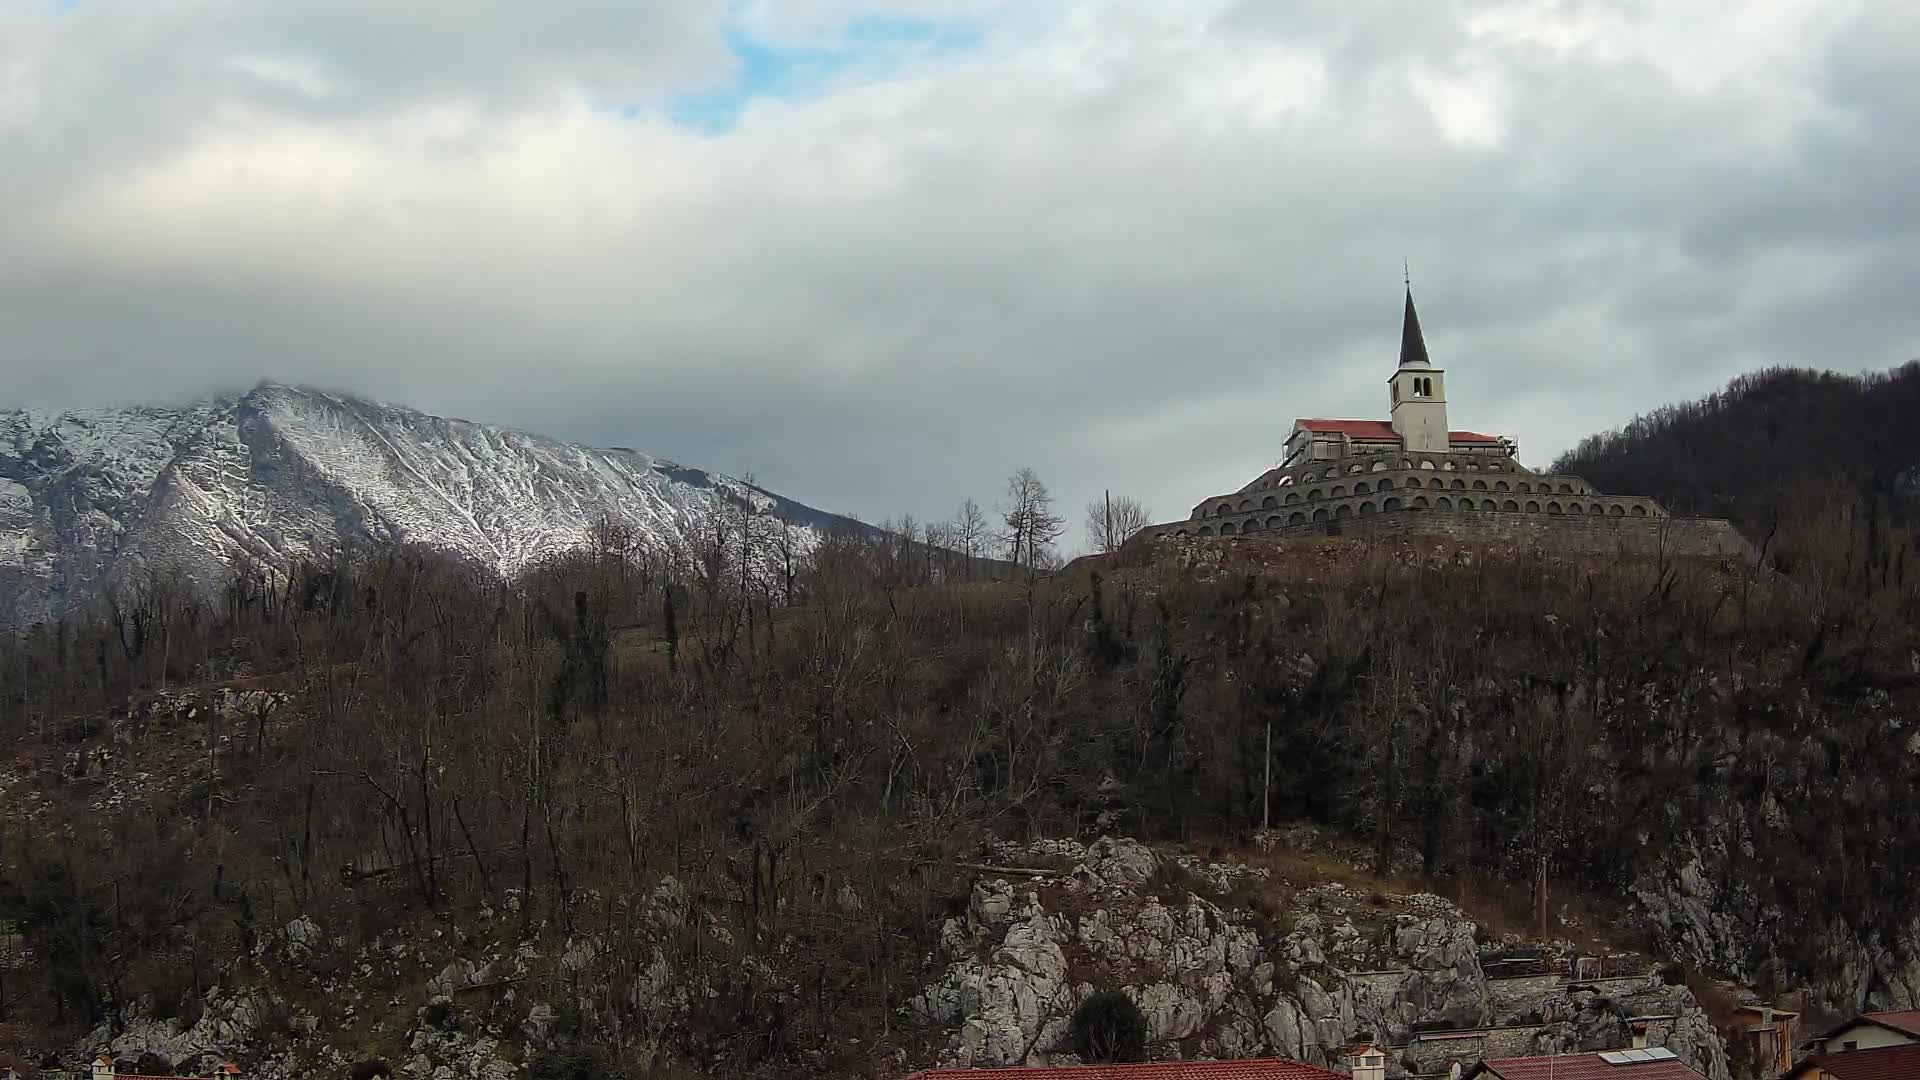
[
  {"x": 413, "y": 756},
  {"x": 1781, "y": 441},
  {"x": 641, "y": 811}
]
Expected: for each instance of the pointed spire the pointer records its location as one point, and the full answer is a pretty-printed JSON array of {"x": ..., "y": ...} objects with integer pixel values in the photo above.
[{"x": 1413, "y": 345}]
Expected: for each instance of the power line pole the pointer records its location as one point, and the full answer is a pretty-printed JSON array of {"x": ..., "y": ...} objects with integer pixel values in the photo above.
[{"x": 1266, "y": 782}]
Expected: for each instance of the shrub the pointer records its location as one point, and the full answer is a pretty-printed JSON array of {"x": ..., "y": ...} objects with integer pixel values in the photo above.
[
  {"x": 441, "y": 1014},
  {"x": 1109, "y": 1028},
  {"x": 575, "y": 1061},
  {"x": 569, "y": 1022},
  {"x": 152, "y": 1064}
]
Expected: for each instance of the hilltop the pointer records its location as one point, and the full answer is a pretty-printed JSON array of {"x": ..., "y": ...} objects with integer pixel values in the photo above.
[
  {"x": 643, "y": 812},
  {"x": 1774, "y": 446}
]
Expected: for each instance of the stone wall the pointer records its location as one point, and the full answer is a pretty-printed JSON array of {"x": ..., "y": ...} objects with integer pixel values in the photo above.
[
  {"x": 1291, "y": 498},
  {"x": 1584, "y": 535},
  {"x": 1579, "y": 535}
]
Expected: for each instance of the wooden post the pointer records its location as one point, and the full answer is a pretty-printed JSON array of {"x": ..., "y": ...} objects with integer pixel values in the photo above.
[
  {"x": 1266, "y": 781},
  {"x": 1540, "y": 894}
]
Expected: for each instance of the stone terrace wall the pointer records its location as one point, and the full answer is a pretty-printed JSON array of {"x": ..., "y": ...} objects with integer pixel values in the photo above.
[
  {"x": 1567, "y": 533},
  {"x": 1583, "y": 535}
]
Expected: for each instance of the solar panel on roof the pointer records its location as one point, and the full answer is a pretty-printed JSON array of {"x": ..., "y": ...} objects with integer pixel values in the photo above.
[{"x": 1638, "y": 1056}]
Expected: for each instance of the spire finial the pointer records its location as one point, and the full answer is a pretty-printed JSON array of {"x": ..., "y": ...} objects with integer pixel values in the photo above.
[{"x": 1406, "y": 273}]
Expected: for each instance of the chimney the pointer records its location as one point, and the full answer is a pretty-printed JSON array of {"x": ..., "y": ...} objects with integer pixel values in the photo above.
[
  {"x": 103, "y": 1068},
  {"x": 1640, "y": 1036},
  {"x": 1367, "y": 1062}
]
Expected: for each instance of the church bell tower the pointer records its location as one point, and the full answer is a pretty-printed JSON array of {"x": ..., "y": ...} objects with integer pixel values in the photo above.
[{"x": 1419, "y": 391}]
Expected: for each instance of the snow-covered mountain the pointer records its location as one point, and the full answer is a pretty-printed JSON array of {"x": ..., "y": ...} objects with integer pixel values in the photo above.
[{"x": 91, "y": 496}]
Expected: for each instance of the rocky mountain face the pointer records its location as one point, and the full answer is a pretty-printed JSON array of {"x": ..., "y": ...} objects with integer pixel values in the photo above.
[
  {"x": 1214, "y": 976},
  {"x": 91, "y": 497},
  {"x": 1219, "y": 980}
]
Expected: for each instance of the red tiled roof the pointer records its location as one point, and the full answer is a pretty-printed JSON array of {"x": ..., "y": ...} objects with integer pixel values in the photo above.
[
  {"x": 1904, "y": 1021},
  {"x": 1881, "y": 1063},
  {"x": 228, "y": 1069},
  {"x": 1352, "y": 429},
  {"x": 1907, "y": 1020},
  {"x": 1582, "y": 1067},
  {"x": 1381, "y": 431},
  {"x": 1267, "y": 1069}
]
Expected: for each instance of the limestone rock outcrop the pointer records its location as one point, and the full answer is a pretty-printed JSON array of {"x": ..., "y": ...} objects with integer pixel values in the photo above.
[{"x": 1216, "y": 981}]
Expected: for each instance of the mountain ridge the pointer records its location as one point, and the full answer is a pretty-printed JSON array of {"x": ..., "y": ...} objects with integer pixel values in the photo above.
[{"x": 280, "y": 472}]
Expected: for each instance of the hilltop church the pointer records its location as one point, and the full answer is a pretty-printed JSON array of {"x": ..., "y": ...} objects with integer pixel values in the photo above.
[{"x": 1414, "y": 473}]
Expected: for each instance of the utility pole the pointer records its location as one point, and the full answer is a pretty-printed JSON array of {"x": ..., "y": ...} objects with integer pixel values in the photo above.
[
  {"x": 1540, "y": 890},
  {"x": 1106, "y": 538},
  {"x": 1266, "y": 782}
]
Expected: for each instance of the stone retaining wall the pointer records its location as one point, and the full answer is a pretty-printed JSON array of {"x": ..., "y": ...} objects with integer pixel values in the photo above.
[{"x": 1583, "y": 534}]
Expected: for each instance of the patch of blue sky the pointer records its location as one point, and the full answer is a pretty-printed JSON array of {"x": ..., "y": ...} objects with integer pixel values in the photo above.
[{"x": 869, "y": 47}]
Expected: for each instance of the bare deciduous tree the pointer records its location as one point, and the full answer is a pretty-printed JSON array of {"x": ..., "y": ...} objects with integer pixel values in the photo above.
[
  {"x": 1031, "y": 526},
  {"x": 969, "y": 532},
  {"x": 1111, "y": 521}
]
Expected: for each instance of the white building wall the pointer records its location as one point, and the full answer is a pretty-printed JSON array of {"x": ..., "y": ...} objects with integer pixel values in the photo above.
[{"x": 1869, "y": 1036}]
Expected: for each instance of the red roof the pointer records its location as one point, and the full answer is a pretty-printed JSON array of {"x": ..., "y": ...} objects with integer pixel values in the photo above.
[
  {"x": 1268, "y": 1069},
  {"x": 1907, "y": 1020},
  {"x": 1353, "y": 429},
  {"x": 1904, "y": 1021},
  {"x": 228, "y": 1069},
  {"x": 1582, "y": 1067},
  {"x": 1382, "y": 431},
  {"x": 1881, "y": 1063}
]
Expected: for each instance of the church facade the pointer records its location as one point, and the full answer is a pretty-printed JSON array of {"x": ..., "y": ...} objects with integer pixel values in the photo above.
[{"x": 1414, "y": 472}]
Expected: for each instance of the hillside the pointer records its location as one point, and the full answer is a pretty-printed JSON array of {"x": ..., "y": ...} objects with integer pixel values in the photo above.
[
  {"x": 622, "y": 820},
  {"x": 98, "y": 499},
  {"x": 1783, "y": 442}
]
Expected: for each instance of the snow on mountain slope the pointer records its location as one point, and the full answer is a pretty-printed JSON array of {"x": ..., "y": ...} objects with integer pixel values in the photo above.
[{"x": 279, "y": 473}]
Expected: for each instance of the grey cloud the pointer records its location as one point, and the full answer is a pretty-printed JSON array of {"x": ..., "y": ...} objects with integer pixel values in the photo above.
[{"x": 884, "y": 300}]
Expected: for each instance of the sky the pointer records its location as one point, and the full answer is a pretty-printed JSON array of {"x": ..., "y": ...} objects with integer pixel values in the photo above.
[{"x": 880, "y": 254}]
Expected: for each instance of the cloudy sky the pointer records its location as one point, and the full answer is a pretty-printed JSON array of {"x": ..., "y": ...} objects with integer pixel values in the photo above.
[{"x": 881, "y": 252}]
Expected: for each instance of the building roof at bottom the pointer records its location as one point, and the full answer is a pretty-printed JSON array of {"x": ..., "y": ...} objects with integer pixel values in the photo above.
[
  {"x": 1879, "y": 1063},
  {"x": 1582, "y": 1067},
  {"x": 1907, "y": 1020},
  {"x": 1262, "y": 1069}
]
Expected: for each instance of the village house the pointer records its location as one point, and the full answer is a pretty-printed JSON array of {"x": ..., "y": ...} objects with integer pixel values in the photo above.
[
  {"x": 104, "y": 1068},
  {"x": 1768, "y": 1033},
  {"x": 1869, "y": 1031},
  {"x": 1880, "y": 1063},
  {"x": 1871, "y": 1046}
]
